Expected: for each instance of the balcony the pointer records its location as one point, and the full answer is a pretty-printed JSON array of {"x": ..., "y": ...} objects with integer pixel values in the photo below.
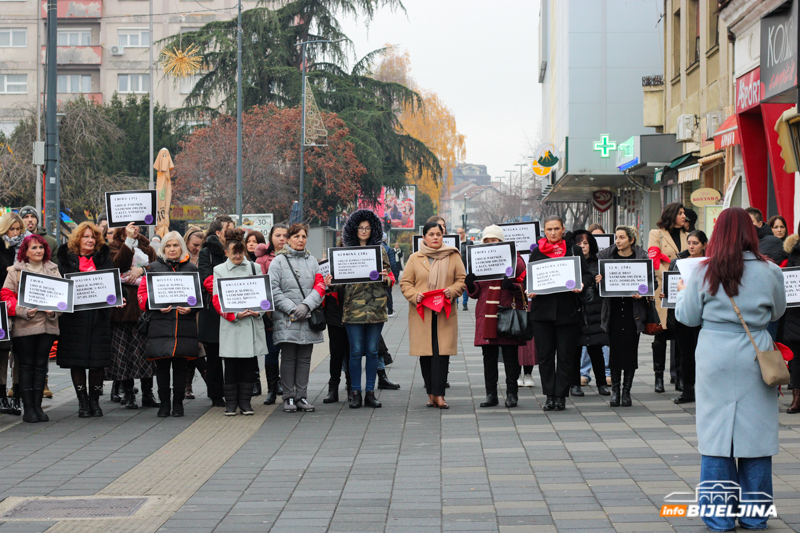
[
  {"x": 76, "y": 9},
  {"x": 77, "y": 55}
]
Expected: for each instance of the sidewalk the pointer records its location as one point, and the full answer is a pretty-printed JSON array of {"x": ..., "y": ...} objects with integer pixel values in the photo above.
[{"x": 402, "y": 468}]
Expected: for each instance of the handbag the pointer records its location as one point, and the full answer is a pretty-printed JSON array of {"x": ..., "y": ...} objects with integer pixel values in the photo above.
[
  {"x": 143, "y": 324},
  {"x": 515, "y": 323},
  {"x": 316, "y": 321},
  {"x": 774, "y": 371},
  {"x": 652, "y": 322}
]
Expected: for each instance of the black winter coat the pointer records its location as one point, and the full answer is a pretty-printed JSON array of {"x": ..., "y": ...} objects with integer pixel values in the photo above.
[
  {"x": 172, "y": 334},
  {"x": 334, "y": 308},
  {"x": 211, "y": 255},
  {"x": 85, "y": 338},
  {"x": 770, "y": 245},
  {"x": 592, "y": 333},
  {"x": 7, "y": 257},
  {"x": 562, "y": 307},
  {"x": 639, "y": 305},
  {"x": 791, "y": 319}
]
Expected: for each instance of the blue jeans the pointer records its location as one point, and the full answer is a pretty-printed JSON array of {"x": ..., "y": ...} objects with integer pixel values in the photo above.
[
  {"x": 586, "y": 363},
  {"x": 754, "y": 475},
  {"x": 273, "y": 350},
  {"x": 464, "y": 298},
  {"x": 772, "y": 329},
  {"x": 364, "y": 340}
]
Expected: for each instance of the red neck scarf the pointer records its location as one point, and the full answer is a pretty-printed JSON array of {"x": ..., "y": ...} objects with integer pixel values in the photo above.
[
  {"x": 552, "y": 250},
  {"x": 87, "y": 264}
]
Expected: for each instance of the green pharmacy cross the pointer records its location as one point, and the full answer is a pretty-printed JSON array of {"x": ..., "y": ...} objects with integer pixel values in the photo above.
[{"x": 604, "y": 146}]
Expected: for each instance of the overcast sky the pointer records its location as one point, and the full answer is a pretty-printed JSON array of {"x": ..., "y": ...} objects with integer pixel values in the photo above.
[{"x": 481, "y": 59}]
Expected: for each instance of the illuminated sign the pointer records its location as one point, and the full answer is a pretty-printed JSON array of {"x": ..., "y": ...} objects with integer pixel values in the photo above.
[{"x": 604, "y": 146}]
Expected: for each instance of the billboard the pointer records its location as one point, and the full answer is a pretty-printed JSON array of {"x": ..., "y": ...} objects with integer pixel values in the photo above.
[{"x": 399, "y": 209}]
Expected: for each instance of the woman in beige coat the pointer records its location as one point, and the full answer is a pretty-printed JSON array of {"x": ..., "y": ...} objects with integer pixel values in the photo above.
[
  {"x": 663, "y": 246},
  {"x": 434, "y": 339}
]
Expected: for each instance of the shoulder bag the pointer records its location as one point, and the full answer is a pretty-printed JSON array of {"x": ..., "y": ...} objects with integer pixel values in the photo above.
[
  {"x": 652, "y": 322},
  {"x": 513, "y": 322},
  {"x": 774, "y": 371},
  {"x": 316, "y": 321}
]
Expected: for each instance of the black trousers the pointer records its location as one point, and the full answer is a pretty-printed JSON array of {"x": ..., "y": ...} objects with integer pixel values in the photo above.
[
  {"x": 687, "y": 344},
  {"x": 33, "y": 354},
  {"x": 510, "y": 363},
  {"x": 555, "y": 352},
  {"x": 435, "y": 367},
  {"x": 598, "y": 365},
  {"x": 240, "y": 369},
  {"x": 198, "y": 364},
  {"x": 178, "y": 366},
  {"x": 660, "y": 349},
  {"x": 390, "y": 304},
  {"x": 340, "y": 355},
  {"x": 214, "y": 377},
  {"x": 794, "y": 364}
]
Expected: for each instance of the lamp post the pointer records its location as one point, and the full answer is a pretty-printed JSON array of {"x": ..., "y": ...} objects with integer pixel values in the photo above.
[
  {"x": 51, "y": 124},
  {"x": 521, "y": 165},
  {"x": 302, "y": 46},
  {"x": 152, "y": 184},
  {"x": 239, "y": 116},
  {"x": 464, "y": 216}
]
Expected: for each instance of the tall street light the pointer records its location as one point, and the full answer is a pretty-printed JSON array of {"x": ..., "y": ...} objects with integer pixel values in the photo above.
[
  {"x": 302, "y": 45},
  {"x": 521, "y": 165}
]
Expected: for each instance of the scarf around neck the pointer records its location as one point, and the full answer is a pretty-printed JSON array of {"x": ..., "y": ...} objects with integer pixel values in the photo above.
[
  {"x": 553, "y": 250},
  {"x": 437, "y": 278}
]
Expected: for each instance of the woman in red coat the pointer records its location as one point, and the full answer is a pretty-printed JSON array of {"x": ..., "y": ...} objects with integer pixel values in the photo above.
[{"x": 490, "y": 295}]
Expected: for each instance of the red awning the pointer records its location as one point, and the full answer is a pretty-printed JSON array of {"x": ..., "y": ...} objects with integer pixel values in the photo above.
[{"x": 727, "y": 134}]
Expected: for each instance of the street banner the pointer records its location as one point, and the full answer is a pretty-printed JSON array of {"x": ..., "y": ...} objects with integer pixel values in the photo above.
[
  {"x": 492, "y": 261},
  {"x": 355, "y": 264},
  {"x": 177, "y": 289},
  {"x": 324, "y": 268},
  {"x": 257, "y": 222},
  {"x": 604, "y": 240},
  {"x": 97, "y": 289},
  {"x": 791, "y": 282},
  {"x": 688, "y": 266},
  {"x": 124, "y": 207},
  {"x": 447, "y": 240},
  {"x": 559, "y": 274},
  {"x": 670, "y": 289},
  {"x": 252, "y": 293},
  {"x": 525, "y": 235},
  {"x": 626, "y": 277},
  {"x": 45, "y": 293}
]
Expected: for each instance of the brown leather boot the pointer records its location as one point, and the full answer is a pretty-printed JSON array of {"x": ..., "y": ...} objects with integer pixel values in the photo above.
[{"x": 795, "y": 407}]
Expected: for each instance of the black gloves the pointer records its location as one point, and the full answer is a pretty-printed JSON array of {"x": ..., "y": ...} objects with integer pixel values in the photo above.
[
  {"x": 470, "y": 282},
  {"x": 508, "y": 284}
]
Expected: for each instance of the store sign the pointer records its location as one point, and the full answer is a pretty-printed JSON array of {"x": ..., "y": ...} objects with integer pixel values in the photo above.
[
  {"x": 186, "y": 212},
  {"x": 604, "y": 146},
  {"x": 779, "y": 50},
  {"x": 705, "y": 196},
  {"x": 712, "y": 213},
  {"x": 628, "y": 154},
  {"x": 547, "y": 158},
  {"x": 602, "y": 200},
  {"x": 748, "y": 90}
]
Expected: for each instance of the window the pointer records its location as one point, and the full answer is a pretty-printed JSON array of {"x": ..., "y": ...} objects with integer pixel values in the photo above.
[
  {"x": 76, "y": 37},
  {"x": 7, "y": 128},
  {"x": 693, "y": 32},
  {"x": 713, "y": 24},
  {"x": 133, "y": 83},
  {"x": 188, "y": 83},
  {"x": 13, "y": 83},
  {"x": 13, "y": 37},
  {"x": 74, "y": 83},
  {"x": 676, "y": 43},
  {"x": 134, "y": 37}
]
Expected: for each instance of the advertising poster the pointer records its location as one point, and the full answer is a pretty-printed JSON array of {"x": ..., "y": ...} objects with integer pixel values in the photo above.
[{"x": 399, "y": 208}]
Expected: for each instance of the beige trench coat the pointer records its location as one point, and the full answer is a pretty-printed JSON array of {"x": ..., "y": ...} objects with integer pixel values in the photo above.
[
  {"x": 415, "y": 281},
  {"x": 663, "y": 240}
]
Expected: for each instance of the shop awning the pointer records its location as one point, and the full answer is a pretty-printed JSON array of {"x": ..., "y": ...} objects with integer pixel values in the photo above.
[
  {"x": 727, "y": 134},
  {"x": 690, "y": 173},
  {"x": 711, "y": 158},
  {"x": 675, "y": 163}
]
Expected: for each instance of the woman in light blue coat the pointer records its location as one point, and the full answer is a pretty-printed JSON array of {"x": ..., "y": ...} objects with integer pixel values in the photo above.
[{"x": 737, "y": 413}]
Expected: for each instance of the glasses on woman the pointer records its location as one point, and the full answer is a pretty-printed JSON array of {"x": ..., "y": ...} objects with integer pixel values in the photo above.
[{"x": 362, "y": 229}]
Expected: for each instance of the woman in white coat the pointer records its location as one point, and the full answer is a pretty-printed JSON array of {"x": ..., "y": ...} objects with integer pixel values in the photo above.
[{"x": 737, "y": 413}]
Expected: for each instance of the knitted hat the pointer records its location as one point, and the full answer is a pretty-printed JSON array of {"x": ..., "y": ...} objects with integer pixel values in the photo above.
[
  {"x": 493, "y": 232},
  {"x": 29, "y": 210}
]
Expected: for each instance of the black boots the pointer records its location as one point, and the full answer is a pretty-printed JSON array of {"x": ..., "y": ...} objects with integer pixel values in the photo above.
[
  {"x": 659, "y": 386},
  {"x": 576, "y": 390},
  {"x": 16, "y": 408},
  {"x": 679, "y": 383},
  {"x": 560, "y": 404},
  {"x": 688, "y": 397},
  {"x": 129, "y": 397},
  {"x": 231, "y": 391},
  {"x": 491, "y": 400},
  {"x": 627, "y": 383},
  {"x": 257, "y": 385},
  {"x": 29, "y": 414},
  {"x": 272, "y": 384},
  {"x": 39, "y": 383},
  {"x": 602, "y": 389},
  {"x": 333, "y": 394},
  {"x": 355, "y": 399},
  {"x": 245, "y": 393},
  {"x": 163, "y": 409},
  {"x": 384, "y": 383},
  {"x": 371, "y": 401},
  {"x": 83, "y": 401},
  {"x": 148, "y": 399},
  {"x": 550, "y": 404},
  {"x": 616, "y": 378},
  {"x": 177, "y": 400},
  {"x": 94, "y": 400},
  {"x": 115, "y": 387},
  {"x": 5, "y": 405},
  {"x": 511, "y": 399}
]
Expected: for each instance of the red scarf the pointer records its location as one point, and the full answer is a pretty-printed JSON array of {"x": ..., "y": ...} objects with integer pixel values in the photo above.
[
  {"x": 553, "y": 250},
  {"x": 657, "y": 256},
  {"x": 87, "y": 264},
  {"x": 435, "y": 301}
]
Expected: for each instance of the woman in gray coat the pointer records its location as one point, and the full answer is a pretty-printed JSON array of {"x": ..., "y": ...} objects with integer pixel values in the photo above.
[
  {"x": 297, "y": 289},
  {"x": 737, "y": 413}
]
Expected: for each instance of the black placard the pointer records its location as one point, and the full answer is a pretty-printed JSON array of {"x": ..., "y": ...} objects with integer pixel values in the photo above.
[
  {"x": 109, "y": 296},
  {"x": 507, "y": 249},
  {"x": 4, "y": 332},
  {"x": 670, "y": 278},
  {"x": 372, "y": 265},
  {"x": 263, "y": 302},
  {"x": 28, "y": 280},
  {"x": 193, "y": 295},
  {"x": 141, "y": 204},
  {"x": 553, "y": 275},
  {"x": 643, "y": 289}
]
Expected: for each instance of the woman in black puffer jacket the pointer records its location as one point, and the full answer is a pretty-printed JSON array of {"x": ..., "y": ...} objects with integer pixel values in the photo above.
[
  {"x": 592, "y": 334},
  {"x": 791, "y": 324}
]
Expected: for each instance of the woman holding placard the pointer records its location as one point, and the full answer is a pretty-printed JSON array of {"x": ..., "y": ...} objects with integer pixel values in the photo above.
[
  {"x": 11, "y": 230},
  {"x": 623, "y": 320},
  {"x": 172, "y": 334},
  {"x": 34, "y": 331},
  {"x": 85, "y": 340},
  {"x": 557, "y": 318},
  {"x": 252, "y": 240},
  {"x": 491, "y": 295},
  {"x": 791, "y": 324},
  {"x": 242, "y": 337},
  {"x": 434, "y": 270}
]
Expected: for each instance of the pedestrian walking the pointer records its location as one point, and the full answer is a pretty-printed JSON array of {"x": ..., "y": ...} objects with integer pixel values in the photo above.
[
  {"x": 663, "y": 246},
  {"x": 212, "y": 254},
  {"x": 492, "y": 295},
  {"x": 172, "y": 333},
  {"x": 194, "y": 241},
  {"x": 623, "y": 319},
  {"x": 132, "y": 254},
  {"x": 11, "y": 226},
  {"x": 433, "y": 335},
  {"x": 242, "y": 337},
  {"x": 84, "y": 344},
  {"x": 737, "y": 413},
  {"x": 297, "y": 289},
  {"x": 276, "y": 240},
  {"x": 34, "y": 331},
  {"x": 365, "y": 309},
  {"x": 557, "y": 319}
]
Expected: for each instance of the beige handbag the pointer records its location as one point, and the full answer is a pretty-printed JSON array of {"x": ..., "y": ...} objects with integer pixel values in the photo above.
[{"x": 773, "y": 368}]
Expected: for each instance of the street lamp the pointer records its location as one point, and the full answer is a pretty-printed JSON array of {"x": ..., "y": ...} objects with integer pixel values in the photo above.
[
  {"x": 303, "y": 112},
  {"x": 521, "y": 165}
]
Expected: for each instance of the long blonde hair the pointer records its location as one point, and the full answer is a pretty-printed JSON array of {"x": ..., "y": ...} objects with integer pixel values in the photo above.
[{"x": 7, "y": 220}]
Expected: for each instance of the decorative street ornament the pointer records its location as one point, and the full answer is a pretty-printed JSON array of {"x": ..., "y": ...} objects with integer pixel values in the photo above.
[
  {"x": 315, "y": 128},
  {"x": 602, "y": 200},
  {"x": 546, "y": 159},
  {"x": 604, "y": 145},
  {"x": 181, "y": 63}
]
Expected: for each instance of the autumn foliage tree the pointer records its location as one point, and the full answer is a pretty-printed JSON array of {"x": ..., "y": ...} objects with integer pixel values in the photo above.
[{"x": 205, "y": 168}]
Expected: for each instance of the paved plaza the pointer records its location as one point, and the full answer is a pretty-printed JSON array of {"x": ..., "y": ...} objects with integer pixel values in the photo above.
[{"x": 402, "y": 468}]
